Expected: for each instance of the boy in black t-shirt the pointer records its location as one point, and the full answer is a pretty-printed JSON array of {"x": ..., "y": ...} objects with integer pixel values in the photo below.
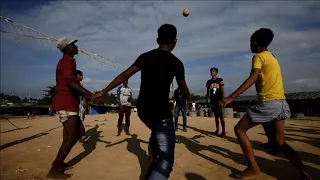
[
  {"x": 158, "y": 68},
  {"x": 215, "y": 92}
]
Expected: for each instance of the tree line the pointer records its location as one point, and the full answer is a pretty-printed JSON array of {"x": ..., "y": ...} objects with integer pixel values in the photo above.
[{"x": 48, "y": 94}]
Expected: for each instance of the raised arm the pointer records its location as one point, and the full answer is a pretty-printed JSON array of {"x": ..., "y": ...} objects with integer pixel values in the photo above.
[
  {"x": 134, "y": 68},
  {"x": 253, "y": 77},
  {"x": 208, "y": 89},
  {"x": 121, "y": 78},
  {"x": 222, "y": 88},
  {"x": 180, "y": 77}
]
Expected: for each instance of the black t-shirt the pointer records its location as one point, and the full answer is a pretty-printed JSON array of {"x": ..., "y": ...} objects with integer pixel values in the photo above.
[
  {"x": 178, "y": 97},
  {"x": 158, "y": 68},
  {"x": 214, "y": 89}
]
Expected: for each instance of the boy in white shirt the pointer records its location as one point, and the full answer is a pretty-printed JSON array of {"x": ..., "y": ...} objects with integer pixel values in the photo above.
[{"x": 124, "y": 98}]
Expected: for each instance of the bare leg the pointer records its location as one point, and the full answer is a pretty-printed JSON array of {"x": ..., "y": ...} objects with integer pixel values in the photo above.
[
  {"x": 223, "y": 133},
  {"x": 240, "y": 130},
  {"x": 288, "y": 151},
  {"x": 216, "y": 118},
  {"x": 82, "y": 131},
  {"x": 71, "y": 137},
  {"x": 267, "y": 130},
  {"x": 64, "y": 165}
]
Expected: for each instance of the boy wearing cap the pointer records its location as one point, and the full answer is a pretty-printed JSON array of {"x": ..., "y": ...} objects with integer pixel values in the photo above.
[
  {"x": 65, "y": 104},
  {"x": 271, "y": 106},
  {"x": 158, "y": 68}
]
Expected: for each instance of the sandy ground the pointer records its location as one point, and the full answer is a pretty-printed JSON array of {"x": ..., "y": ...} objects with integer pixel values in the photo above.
[{"x": 199, "y": 156}]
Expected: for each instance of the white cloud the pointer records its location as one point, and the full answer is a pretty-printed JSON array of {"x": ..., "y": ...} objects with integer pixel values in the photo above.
[{"x": 121, "y": 30}]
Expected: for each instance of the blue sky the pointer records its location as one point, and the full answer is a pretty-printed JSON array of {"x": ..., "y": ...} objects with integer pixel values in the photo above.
[{"x": 216, "y": 34}]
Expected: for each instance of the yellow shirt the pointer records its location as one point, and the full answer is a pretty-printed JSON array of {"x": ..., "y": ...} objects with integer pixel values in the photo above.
[{"x": 269, "y": 86}]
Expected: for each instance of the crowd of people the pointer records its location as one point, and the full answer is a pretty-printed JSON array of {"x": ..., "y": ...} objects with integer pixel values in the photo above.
[{"x": 158, "y": 69}]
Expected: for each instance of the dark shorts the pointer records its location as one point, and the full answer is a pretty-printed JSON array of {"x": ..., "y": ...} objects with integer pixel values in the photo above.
[
  {"x": 267, "y": 111},
  {"x": 216, "y": 108}
]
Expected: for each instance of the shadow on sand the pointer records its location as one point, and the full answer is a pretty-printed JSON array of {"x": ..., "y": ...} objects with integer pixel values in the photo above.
[
  {"x": 309, "y": 130},
  {"x": 94, "y": 136},
  {"x": 11, "y": 130},
  {"x": 267, "y": 166},
  {"x": 134, "y": 147},
  {"x": 196, "y": 148},
  {"x": 304, "y": 139},
  {"x": 27, "y": 139},
  {"x": 193, "y": 176}
]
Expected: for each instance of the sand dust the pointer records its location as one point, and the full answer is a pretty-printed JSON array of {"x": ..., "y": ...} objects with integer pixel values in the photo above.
[{"x": 27, "y": 153}]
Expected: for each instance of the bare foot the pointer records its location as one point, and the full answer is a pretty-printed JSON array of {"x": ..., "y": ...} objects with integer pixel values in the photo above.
[
  {"x": 64, "y": 167},
  {"x": 223, "y": 134},
  {"x": 215, "y": 133},
  {"x": 247, "y": 174},
  {"x": 58, "y": 175},
  {"x": 81, "y": 140},
  {"x": 266, "y": 145}
]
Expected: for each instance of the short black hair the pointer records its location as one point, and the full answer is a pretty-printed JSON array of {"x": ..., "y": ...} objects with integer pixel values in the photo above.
[
  {"x": 216, "y": 69},
  {"x": 263, "y": 37},
  {"x": 167, "y": 33},
  {"x": 78, "y": 72}
]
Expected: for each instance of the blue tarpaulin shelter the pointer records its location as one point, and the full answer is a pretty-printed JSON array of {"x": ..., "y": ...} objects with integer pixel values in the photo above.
[{"x": 94, "y": 110}]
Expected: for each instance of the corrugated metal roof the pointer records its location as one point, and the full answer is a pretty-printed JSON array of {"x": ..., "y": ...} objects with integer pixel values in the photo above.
[
  {"x": 25, "y": 106},
  {"x": 290, "y": 96}
]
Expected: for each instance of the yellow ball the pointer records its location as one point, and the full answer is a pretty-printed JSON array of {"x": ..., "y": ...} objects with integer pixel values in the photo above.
[{"x": 186, "y": 12}]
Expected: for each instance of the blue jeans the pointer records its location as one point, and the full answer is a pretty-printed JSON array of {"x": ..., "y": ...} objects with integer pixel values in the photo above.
[
  {"x": 184, "y": 116},
  {"x": 162, "y": 144}
]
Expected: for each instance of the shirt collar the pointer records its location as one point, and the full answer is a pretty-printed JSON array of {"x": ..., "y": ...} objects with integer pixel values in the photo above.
[{"x": 68, "y": 57}]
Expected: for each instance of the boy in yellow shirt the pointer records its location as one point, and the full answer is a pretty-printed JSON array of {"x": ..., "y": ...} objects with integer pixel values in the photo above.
[{"x": 271, "y": 106}]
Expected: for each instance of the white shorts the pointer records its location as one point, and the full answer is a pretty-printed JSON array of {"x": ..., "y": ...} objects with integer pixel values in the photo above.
[{"x": 64, "y": 115}]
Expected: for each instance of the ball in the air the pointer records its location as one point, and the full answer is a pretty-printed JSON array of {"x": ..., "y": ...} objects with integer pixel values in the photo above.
[{"x": 186, "y": 12}]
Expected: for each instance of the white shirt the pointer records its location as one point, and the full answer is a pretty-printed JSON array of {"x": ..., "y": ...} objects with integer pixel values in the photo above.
[{"x": 123, "y": 95}]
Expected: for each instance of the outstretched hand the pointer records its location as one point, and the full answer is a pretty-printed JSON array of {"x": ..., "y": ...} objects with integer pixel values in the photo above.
[
  {"x": 96, "y": 95},
  {"x": 225, "y": 101}
]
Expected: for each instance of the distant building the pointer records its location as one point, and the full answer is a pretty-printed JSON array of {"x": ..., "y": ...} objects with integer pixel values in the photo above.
[{"x": 23, "y": 109}]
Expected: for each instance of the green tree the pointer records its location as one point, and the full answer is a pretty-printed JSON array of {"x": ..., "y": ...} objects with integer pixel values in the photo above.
[
  {"x": 110, "y": 99},
  {"x": 9, "y": 98},
  {"x": 195, "y": 97},
  {"x": 25, "y": 100},
  {"x": 48, "y": 95}
]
